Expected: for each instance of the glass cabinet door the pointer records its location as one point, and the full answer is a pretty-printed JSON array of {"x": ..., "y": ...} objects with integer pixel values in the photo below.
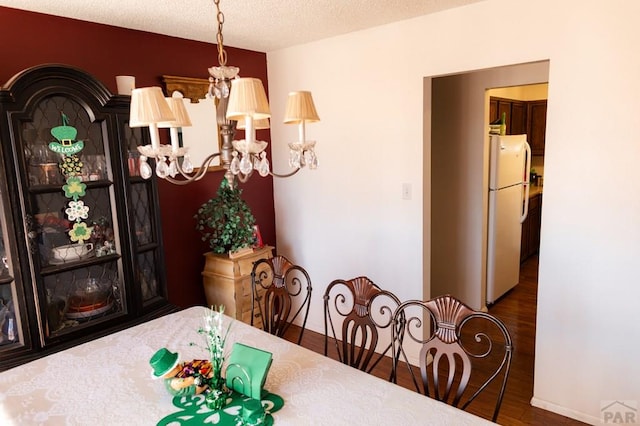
[
  {"x": 10, "y": 324},
  {"x": 142, "y": 198},
  {"x": 15, "y": 335},
  {"x": 73, "y": 239}
]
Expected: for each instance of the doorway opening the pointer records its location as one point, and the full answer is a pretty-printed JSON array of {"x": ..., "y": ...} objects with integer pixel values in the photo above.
[
  {"x": 459, "y": 176},
  {"x": 458, "y": 181}
]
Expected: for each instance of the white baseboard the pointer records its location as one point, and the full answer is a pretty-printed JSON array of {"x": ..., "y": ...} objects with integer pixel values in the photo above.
[{"x": 564, "y": 411}]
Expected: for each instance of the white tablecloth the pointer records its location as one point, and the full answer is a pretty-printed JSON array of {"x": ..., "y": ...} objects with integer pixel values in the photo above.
[{"x": 108, "y": 382}]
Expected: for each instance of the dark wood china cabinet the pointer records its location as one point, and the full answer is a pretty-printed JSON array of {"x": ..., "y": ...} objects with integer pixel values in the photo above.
[{"x": 80, "y": 234}]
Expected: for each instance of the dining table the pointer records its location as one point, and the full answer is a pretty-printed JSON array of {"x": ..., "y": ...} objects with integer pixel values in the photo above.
[{"x": 109, "y": 381}]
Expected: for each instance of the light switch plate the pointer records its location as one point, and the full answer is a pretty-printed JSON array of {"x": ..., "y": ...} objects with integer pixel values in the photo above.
[{"x": 406, "y": 191}]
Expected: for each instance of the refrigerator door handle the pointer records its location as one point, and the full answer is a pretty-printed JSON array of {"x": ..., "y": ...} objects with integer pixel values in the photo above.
[{"x": 527, "y": 183}]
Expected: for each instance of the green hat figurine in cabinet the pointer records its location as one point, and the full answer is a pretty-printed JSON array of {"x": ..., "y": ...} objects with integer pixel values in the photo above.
[{"x": 66, "y": 143}]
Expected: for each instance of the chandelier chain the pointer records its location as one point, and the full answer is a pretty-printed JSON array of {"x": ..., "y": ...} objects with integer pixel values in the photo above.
[{"x": 222, "y": 54}]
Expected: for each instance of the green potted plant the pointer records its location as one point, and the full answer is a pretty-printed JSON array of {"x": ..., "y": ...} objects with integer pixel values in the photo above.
[{"x": 226, "y": 221}]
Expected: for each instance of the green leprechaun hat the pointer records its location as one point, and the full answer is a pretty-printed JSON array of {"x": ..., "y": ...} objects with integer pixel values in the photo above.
[
  {"x": 65, "y": 132},
  {"x": 163, "y": 361}
]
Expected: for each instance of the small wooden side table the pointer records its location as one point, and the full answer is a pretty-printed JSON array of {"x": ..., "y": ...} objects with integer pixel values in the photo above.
[{"x": 228, "y": 282}]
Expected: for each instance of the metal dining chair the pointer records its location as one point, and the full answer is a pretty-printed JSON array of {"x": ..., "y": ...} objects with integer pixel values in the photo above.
[
  {"x": 357, "y": 319},
  {"x": 280, "y": 295},
  {"x": 461, "y": 353}
]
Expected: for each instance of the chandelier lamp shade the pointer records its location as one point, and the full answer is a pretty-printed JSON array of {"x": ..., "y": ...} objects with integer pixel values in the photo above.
[
  {"x": 301, "y": 110},
  {"x": 247, "y": 99},
  {"x": 241, "y": 103}
]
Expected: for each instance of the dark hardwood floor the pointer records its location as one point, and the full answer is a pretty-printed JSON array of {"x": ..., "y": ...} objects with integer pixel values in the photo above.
[{"x": 517, "y": 309}]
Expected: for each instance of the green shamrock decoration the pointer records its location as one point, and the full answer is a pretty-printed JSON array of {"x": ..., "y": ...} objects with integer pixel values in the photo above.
[
  {"x": 194, "y": 411},
  {"x": 74, "y": 188},
  {"x": 80, "y": 232}
]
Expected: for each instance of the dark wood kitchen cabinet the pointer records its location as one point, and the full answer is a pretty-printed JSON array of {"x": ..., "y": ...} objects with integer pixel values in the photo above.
[
  {"x": 522, "y": 117},
  {"x": 537, "y": 125},
  {"x": 530, "y": 240},
  {"x": 518, "y": 118},
  {"x": 515, "y": 114},
  {"x": 80, "y": 231}
]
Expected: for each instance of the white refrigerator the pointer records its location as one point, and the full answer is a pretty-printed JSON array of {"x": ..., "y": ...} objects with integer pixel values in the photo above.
[{"x": 509, "y": 165}]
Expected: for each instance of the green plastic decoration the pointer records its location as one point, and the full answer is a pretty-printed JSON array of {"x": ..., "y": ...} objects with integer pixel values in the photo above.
[
  {"x": 77, "y": 210},
  {"x": 71, "y": 167},
  {"x": 66, "y": 135},
  {"x": 194, "y": 411},
  {"x": 80, "y": 232},
  {"x": 74, "y": 188}
]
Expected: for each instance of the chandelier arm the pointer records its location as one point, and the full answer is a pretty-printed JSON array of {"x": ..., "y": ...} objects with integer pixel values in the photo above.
[
  {"x": 188, "y": 178},
  {"x": 192, "y": 178},
  {"x": 285, "y": 175},
  {"x": 202, "y": 169},
  {"x": 179, "y": 181}
]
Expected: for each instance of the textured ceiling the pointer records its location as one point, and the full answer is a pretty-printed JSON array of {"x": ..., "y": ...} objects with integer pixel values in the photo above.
[{"x": 260, "y": 25}]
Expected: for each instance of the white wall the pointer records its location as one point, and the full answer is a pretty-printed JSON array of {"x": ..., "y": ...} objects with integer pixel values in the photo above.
[{"x": 348, "y": 218}]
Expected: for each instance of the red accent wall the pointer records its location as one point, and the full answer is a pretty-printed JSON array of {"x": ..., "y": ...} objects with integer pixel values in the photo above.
[{"x": 28, "y": 39}]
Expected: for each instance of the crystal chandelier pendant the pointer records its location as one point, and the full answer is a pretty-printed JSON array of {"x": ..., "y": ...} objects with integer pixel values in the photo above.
[
  {"x": 216, "y": 91},
  {"x": 309, "y": 155},
  {"x": 187, "y": 165},
  {"x": 145, "y": 168},
  {"x": 162, "y": 170},
  {"x": 235, "y": 164},
  {"x": 219, "y": 80},
  {"x": 263, "y": 165},
  {"x": 222, "y": 90},
  {"x": 246, "y": 166},
  {"x": 173, "y": 168},
  {"x": 294, "y": 159},
  {"x": 313, "y": 161}
]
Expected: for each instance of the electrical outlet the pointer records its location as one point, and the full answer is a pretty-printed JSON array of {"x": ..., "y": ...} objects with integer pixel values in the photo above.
[{"x": 406, "y": 191}]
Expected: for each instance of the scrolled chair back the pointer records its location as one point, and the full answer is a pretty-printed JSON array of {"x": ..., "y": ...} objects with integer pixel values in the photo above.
[
  {"x": 358, "y": 318},
  {"x": 461, "y": 353},
  {"x": 281, "y": 295}
]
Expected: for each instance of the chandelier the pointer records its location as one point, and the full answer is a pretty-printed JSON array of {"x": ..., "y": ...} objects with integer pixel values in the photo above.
[{"x": 241, "y": 103}]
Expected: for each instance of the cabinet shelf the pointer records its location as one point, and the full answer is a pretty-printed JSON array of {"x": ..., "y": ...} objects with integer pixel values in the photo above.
[
  {"x": 147, "y": 247},
  {"x": 52, "y": 189},
  {"x": 75, "y": 325},
  {"x": 82, "y": 263}
]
